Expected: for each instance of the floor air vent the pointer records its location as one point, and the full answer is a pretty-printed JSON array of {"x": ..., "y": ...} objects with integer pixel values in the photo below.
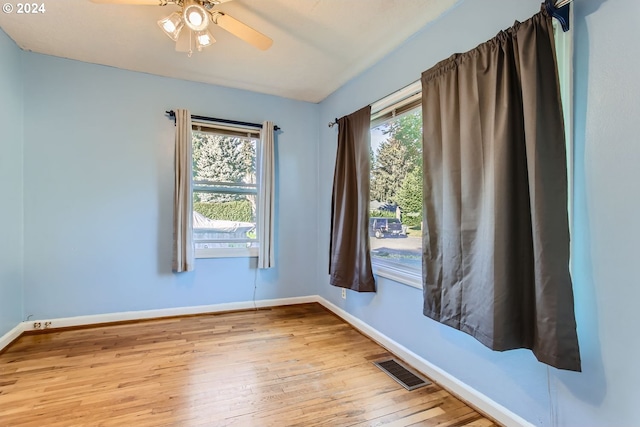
[{"x": 402, "y": 375}]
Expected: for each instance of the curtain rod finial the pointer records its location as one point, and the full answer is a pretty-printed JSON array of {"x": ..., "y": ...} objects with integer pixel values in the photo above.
[
  {"x": 172, "y": 115},
  {"x": 561, "y": 13}
]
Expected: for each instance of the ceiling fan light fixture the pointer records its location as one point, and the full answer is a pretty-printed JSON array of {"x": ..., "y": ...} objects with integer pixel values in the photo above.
[
  {"x": 195, "y": 16},
  {"x": 172, "y": 25},
  {"x": 204, "y": 39}
]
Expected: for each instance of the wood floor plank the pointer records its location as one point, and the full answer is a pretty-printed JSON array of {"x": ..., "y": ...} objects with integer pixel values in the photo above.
[{"x": 286, "y": 366}]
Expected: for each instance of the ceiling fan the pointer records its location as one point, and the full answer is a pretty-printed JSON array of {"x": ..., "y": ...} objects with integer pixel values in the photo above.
[{"x": 189, "y": 26}]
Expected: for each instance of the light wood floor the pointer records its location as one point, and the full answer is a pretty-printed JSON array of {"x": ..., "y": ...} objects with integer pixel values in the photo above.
[{"x": 287, "y": 366}]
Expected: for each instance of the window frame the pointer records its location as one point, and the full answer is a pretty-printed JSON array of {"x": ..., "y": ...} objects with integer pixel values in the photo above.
[
  {"x": 392, "y": 107},
  {"x": 237, "y": 131}
]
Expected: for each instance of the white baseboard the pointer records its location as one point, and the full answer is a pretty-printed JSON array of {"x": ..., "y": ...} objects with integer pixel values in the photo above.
[
  {"x": 10, "y": 336},
  {"x": 65, "y": 322},
  {"x": 444, "y": 379}
]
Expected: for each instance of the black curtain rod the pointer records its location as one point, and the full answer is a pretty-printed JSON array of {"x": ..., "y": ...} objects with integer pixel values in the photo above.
[{"x": 172, "y": 114}]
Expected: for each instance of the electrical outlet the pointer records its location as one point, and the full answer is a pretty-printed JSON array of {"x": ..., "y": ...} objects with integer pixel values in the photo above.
[
  {"x": 47, "y": 325},
  {"x": 37, "y": 325},
  {"x": 344, "y": 293}
]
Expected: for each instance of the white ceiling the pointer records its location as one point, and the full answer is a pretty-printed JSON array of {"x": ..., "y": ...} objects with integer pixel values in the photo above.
[{"x": 318, "y": 45}]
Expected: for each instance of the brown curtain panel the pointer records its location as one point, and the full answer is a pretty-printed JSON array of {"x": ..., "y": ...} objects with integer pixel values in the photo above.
[
  {"x": 496, "y": 238},
  {"x": 349, "y": 257}
]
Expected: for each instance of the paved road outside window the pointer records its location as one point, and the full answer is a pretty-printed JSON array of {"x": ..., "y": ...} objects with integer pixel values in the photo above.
[{"x": 401, "y": 250}]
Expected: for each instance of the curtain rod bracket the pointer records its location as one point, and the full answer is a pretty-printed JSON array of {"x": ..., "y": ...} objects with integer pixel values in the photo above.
[
  {"x": 560, "y": 13},
  {"x": 172, "y": 115}
]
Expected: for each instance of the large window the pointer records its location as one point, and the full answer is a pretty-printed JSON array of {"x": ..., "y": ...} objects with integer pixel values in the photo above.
[
  {"x": 225, "y": 191},
  {"x": 395, "y": 217}
]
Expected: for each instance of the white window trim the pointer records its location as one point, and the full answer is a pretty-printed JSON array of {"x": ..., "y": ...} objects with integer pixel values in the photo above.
[
  {"x": 396, "y": 97},
  {"x": 405, "y": 277},
  {"x": 226, "y": 253},
  {"x": 564, "y": 57}
]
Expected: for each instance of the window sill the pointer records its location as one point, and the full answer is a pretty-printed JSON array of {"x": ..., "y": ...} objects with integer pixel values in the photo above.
[
  {"x": 406, "y": 277},
  {"x": 227, "y": 253}
]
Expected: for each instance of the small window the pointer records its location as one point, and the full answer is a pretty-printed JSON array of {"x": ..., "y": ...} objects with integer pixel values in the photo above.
[
  {"x": 225, "y": 191},
  {"x": 395, "y": 217}
]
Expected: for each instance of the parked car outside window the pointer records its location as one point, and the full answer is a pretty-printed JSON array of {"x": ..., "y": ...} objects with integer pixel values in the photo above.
[{"x": 385, "y": 227}]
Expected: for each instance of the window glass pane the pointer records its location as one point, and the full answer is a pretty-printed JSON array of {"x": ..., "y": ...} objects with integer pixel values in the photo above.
[
  {"x": 225, "y": 191},
  {"x": 395, "y": 223},
  {"x": 223, "y": 158},
  {"x": 224, "y": 224}
]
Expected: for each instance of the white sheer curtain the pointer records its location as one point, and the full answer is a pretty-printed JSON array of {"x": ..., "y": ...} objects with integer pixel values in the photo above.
[
  {"x": 183, "y": 249},
  {"x": 265, "y": 228}
]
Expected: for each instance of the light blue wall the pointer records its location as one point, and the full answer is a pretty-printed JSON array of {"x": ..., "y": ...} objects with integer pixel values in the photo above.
[
  {"x": 605, "y": 236},
  {"x": 607, "y": 232},
  {"x": 99, "y": 188},
  {"x": 10, "y": 185},
  {"x": 97, "y": 204}
]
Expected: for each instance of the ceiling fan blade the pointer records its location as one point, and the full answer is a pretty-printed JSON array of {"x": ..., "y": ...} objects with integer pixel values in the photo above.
[
  {"x": 242, "y": 31},
  {"x": 134, "y": 2},
  {"x": 184, "y": 41}
]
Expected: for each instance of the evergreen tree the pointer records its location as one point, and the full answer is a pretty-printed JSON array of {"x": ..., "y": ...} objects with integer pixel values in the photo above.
[
  {"x": 389, "y": 170},
  {"x": 396, "y": 157},
  {"x": 220, "y": 159},
  {"x": 410, "y": 193}
]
